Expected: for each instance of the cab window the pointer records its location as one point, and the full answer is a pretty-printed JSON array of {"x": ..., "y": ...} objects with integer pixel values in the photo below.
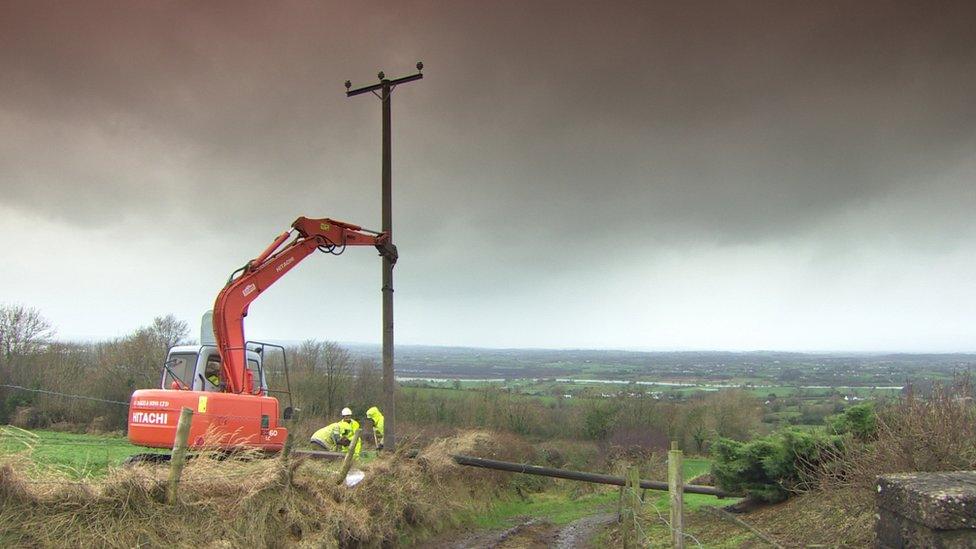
[
  {"x": 212, "y": 376},
  {"x": 182, "y": 365},
  {"x": 255, "y": 369}
]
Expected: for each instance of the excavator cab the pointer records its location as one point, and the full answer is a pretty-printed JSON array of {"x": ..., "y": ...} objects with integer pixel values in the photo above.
[
  {"x": 225, "y": 419},
  {"x": 190, "y": 367}
]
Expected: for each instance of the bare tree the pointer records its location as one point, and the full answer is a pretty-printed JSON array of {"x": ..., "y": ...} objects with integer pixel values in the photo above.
[
  {"x": 696, "y": 424},
  {"x": 169, "y": 331},
  {"x": 369, "y": 382},
  {"x": 23, "y": 331},
  {"x": 733, "y": 413},
  {"x": 134, "y": 361},
  {"x": 307, "y": 356},
  {"x": 323, "y": 375},
  {"x": 336, "y": 362}
]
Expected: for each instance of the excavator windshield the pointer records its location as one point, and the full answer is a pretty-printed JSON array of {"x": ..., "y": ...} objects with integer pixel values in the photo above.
[{"x": 179, "y": 368}]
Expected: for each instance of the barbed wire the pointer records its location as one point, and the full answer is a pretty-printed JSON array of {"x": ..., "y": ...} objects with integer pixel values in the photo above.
[
  {"x": 37, "y": 441},
  {"x": 126, "y": 404},
  {"x": 642, "y": 535},
  {"x": 23, "y": 440},
  {"x": 210, "y": 475},
  {"x": 57, "y": 482},
  {"x": 102, "y": 482},
  {"x": 56, "y": 393},
  {"x": 667, "y": 522},
  {"x": 29, "y": 439}
]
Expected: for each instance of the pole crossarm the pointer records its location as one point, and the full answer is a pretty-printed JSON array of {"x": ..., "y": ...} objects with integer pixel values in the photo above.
[{"x": 379, "y": 86}]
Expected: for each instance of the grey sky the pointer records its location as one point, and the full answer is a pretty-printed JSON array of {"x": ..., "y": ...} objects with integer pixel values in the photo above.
[{"x": 629, "y": 174}]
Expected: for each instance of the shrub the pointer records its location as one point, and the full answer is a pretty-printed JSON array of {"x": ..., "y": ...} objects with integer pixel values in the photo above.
[
  {"x": 934, "y": 433},
  {"x": 860, "y": 421},
  {"x": 599, "y": 419},
  {"x": 771, "y": 467}
]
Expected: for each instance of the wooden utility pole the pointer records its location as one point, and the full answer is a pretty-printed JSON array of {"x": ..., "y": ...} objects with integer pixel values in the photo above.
[{"x": 385, "y": 87}]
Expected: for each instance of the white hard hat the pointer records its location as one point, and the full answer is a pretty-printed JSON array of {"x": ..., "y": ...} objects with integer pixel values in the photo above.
[{"x": 345, "y": 412}]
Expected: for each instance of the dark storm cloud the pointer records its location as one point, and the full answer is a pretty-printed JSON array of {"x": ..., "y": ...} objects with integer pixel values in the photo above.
[
  {"x": 727, "y": 123},
  {"x": 570, "y": 125},
  {"x": 694, "y": 174}
]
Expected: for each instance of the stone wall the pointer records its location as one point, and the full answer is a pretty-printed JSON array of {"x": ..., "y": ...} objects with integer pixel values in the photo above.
[{"x": 935, "y": 510}]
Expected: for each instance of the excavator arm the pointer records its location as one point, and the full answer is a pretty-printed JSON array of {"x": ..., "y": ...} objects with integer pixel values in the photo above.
[{"x": 248, "y": 282}]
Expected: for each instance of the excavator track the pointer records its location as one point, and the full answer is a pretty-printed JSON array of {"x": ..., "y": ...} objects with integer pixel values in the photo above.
[{"x": 148, "y": 458}]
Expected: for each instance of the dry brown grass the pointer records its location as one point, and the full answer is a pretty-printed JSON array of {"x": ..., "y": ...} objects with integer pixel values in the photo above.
[
  {"x": 935, "y": 433},
  {"x": 834, "y": 518},
  {"x": 249, "y": 502}
]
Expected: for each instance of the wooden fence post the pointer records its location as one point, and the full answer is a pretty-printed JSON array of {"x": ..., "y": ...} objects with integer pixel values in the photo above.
[
  {"x": 627, "y": 538},
  {"x": 350, "y": 454},
  {"x": 633, "y": 480},
  {"x": 285, "y": 455},
  {"x": 676, "y": 495},
  {"x": 620, "y": 504},
  {"x": 178, "y": 459}
]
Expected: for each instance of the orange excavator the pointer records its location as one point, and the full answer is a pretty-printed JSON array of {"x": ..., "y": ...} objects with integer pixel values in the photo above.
[{"x": 224, "y": 382}]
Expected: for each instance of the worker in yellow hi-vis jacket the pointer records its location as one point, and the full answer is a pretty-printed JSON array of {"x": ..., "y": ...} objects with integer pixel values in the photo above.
[
  {"x": 348, "y": 428},
  {"x": 329, "y": 437},
  {"x": 376, "y": 417}
]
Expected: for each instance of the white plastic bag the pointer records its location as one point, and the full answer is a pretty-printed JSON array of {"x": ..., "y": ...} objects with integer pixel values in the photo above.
[{"x": 354, "y": 477}]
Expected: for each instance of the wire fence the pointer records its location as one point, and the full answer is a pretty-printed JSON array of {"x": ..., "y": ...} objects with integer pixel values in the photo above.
[
  {"x": 56, "y": 393},
  {"x": 104, "y": 482},
  {"x": 636, "y": 523},
  {"x": 214, "y": 415},
  {"x": 14, "y": 440},
  {"x": 644, "y": 539},
  {"x": 660, "y": 516},
  {"x": 211, "y": 479},
  {"x": 227, "y": 471}
]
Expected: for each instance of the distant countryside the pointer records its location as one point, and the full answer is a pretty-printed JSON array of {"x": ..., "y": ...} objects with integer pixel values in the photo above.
[{"x": 802, "y": 436}]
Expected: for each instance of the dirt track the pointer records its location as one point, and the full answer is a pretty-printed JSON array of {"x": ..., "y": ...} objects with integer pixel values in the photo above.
[
  {"x": 529, "y": 534},
  {"x": 579, "y": 532}
]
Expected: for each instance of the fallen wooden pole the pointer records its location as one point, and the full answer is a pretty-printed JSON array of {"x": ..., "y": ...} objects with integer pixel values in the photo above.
[
  {"x": 319, "y": 454},
  {"x": 581, "y": 476}
]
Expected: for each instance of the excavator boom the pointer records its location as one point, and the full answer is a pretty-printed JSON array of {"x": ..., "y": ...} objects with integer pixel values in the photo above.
[{"x": 260, "y": 273}]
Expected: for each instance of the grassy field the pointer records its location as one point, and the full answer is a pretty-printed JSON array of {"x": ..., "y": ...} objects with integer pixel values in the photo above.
[
  {"x": 76, "y": 456},
  {"x": 561, "y": 505},
  {"x": 581, "y": 388},
  {"x": 557, "y": 506}
]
